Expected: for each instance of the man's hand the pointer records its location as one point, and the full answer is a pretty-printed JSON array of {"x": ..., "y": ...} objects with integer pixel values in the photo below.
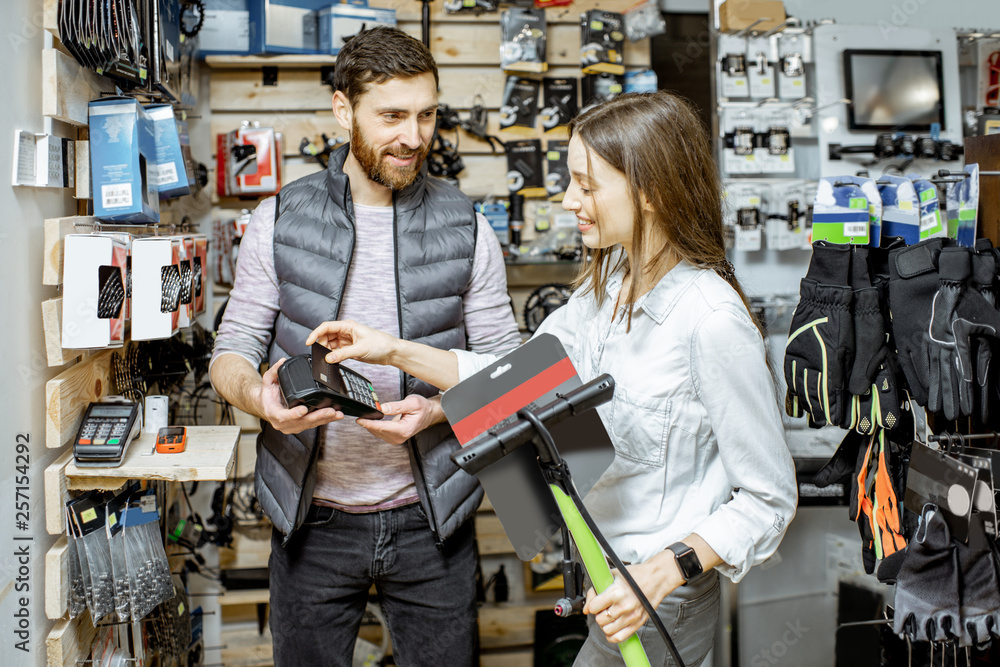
[
  {"x": 293, "y": 420},
  {"x": 412, "y": 415},
  {"x": 618, "y": 611},
  {"x": 347, "y": 339}
]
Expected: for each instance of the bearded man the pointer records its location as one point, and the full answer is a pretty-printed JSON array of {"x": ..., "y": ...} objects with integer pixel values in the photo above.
[{"x": 357, "y": 503}]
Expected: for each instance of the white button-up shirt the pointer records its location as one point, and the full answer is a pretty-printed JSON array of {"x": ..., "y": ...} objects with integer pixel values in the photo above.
[{"x": 694, "y": 419}]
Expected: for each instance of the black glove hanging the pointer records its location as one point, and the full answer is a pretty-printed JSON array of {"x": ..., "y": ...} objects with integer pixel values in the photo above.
[
  {"x": 927, "y": 604},
  {"x": 983, "y": 272},
  {"x": 820, "y": 348},
  {"x": 980, "y": 592}
]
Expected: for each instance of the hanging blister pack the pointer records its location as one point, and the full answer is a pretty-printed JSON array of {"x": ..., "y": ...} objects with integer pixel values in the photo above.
[
  {"x": 523, "y": 37},
  {"x": 746, "y": 207},
  {"x": 930, "y": 210},
  {"x": 76, "y": 600},
  {"x": 937, "y": 478},
  {"x": 559, "y": 104},
  {"x": 789, "y": 226},
  {"x": 962, "y": 207},
  {"x": 524, "y": 168},
  {"x": 740, "y": 135},
  {"x": 599, "y": 88},
  {"x": 643, "y": 20},
  {"x": 116, "y": 541},
  {"x": 89, "y": 520},
  {"x": 519, "y": 107},
  {"x": 556, "y": 169},
  {"x": 840, "y": 212},
  {"x": 149, "y": 572},
  {"x": 773, "y": 146},
  {"x": 602, "y": 42},
  {"x": 761, "y": 76},
  {"x": 470, "y": 6},
  {"x": 900, "y": 208}
]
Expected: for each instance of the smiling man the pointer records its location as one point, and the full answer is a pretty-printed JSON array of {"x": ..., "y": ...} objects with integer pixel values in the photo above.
[{"x": 360, "y": 502}]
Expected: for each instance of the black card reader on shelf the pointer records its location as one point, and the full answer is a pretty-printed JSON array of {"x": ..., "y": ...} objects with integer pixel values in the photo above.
[{"x": 105, "y": 433}]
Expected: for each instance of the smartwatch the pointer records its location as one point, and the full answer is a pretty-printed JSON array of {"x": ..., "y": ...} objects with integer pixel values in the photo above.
[{"x": 687, "y": 560}]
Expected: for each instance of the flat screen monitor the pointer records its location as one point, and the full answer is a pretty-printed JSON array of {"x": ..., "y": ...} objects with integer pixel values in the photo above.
[{"x": 893, "y": 90}]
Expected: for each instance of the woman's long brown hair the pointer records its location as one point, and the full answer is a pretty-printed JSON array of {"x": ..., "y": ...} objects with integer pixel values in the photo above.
[{"x": 658, "y": 142}]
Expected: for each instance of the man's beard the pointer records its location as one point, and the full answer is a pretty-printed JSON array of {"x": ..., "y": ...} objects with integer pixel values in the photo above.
[{"x": 378, "y": 168}]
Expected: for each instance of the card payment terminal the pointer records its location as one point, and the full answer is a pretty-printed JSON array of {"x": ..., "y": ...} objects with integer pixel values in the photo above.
[
  {"x": 105, "y": 433},
  {"x": 308, "y": 379}
]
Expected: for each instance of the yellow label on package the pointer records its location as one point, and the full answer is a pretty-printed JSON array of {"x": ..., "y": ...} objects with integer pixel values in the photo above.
[{"x": 88, "y": 515}]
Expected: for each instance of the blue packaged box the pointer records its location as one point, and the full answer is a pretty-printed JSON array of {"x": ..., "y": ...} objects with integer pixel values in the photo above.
[
  {"x": 286, "y": 26},
  {"x": 338, "y": 23},
  {"x": 171, "y": 172},
  {"x": 123, "y": 161},
  {"x": 227, "y": 29}
]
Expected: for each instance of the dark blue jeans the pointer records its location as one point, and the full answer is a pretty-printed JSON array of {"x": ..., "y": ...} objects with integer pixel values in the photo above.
[{"x": 320, "y": 584}]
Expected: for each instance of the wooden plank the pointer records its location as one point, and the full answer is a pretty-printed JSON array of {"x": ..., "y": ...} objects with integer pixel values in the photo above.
[
  {"x": 490, "y": 535},
  {"x": 407, "y": 10},
  {"x": 83, "y": 181},
  {"x": 56, "y": 493},
  {"x": 245, "y": 553},
  {"x": 301, "y": 90},
  {"x": 55, "y": 353},
  {"x": 508, "y": 658},
  {"x": 508, "y": 624},
  {"x": 209, "y": 457},
  {"x": 68, "y": 88},
  {"x": 70, "y": 641},
  {"x": 56, "y": 230},
  {"x": 57, "y": 579},
  {"x": 249, "y": 596},
  {"x": 50, "y": 16},
  {"x": 985, "y": 151},
  {"x": 67, "y": 396}
]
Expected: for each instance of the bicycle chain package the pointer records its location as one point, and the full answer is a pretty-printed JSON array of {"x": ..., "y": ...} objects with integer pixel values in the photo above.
[
  {"x": 123, "y": 161},
  {"x": 94, "y": 280},
  {"x": 156, "y": 287}
]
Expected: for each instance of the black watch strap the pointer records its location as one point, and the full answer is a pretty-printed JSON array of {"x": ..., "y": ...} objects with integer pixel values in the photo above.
[{"x": 687, "y": 560}]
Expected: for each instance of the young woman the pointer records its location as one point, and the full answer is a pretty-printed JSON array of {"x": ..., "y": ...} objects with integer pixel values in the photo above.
[{"x": 702, "y": 481}]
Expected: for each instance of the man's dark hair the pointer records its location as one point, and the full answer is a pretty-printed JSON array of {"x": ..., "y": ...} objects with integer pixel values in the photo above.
[{"x": 377, "y": 55}]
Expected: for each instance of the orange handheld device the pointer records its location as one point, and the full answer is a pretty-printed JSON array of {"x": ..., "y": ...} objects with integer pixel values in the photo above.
[{"x": 171, "y": 439}]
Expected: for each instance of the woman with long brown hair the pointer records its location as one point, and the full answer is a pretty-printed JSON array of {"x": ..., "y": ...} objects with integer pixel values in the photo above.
[{"x": 702, "y": 482}]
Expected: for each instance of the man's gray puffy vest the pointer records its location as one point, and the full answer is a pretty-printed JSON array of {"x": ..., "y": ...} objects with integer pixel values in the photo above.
[{"x": 435, "y": 228}]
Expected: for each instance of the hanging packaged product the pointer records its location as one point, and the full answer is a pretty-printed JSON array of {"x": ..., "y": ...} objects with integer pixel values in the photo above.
[
  {"x": 226, "y": 29},
  {"x": 740, "y": 136},
  {"x": 523, "y": 37},
  {"x": 931, "y": 225},
  {"x": 761, "y": 77},
  {"x": 788, "y": 224},
  {"x": 900, "y": 208},
  {"x": 248, "y": 162},
  {"x": 598, "y": 88},
  {"x": 150, "y": 582},
  {"x": 519, "y": 106},
  {"x": 791, "y": 77},
  {"x": 165, "y": 46},
  {"x": 733, "y": 79},
  {"x": 94, "y": 291},
  {"x": 840, "y": 212},
  {"x": 746, "y": 206},
  {"x": 871, "y": 192},
  {"x": 640, "y": 81},
  {"x": 87, "y": 523},
  {"x": 559, "y": 104},
  {"x": 643, "y": 20},
  {"x": 774, "y": 151},
  {"x": 171, "y": 173},
  {"x": 496, "y": 214},
  {"x": 556, "y": 169},
  {"x": 185, "y": 269},
  {"x": 156, "y": 287},
  {"x": 338, "y": 23},
  {"x": 123, "y": 161},
  {"x": 962, "y": 207},
  {"x": 470, "y": 6},
  {"x": 602, "y": 41},
  {"x": 199, "y": 273},
  {"x": 524, "y": 168}
]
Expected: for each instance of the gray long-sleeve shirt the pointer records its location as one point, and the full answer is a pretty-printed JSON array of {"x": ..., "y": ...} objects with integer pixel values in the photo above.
[{"x": 357, "y": 471}]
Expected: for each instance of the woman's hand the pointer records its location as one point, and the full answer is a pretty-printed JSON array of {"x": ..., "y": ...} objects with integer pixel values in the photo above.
[
  {"x": 289, "y": 420},
  {"x": 618, "y": 611},
  {"x": 412, "y": 415},
  {"x": 346, "y": 339}
]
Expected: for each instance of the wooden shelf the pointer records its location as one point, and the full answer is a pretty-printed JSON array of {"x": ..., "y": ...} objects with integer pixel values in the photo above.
[
  {"x": 254, "y": 62},
  {"x": 209, "y": 457}
]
